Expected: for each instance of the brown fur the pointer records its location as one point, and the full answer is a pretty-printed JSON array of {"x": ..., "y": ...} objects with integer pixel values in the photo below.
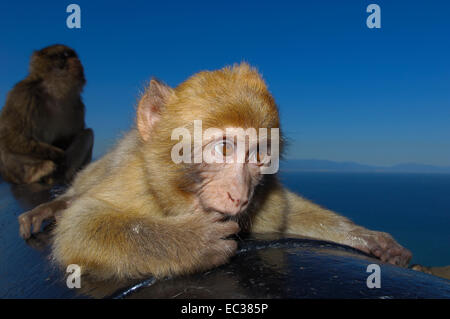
[
  {"x": 43, "y": 117},
  {"x": 134, "y": 215}
]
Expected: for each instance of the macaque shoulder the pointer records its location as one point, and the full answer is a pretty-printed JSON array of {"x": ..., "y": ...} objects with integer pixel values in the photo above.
[{"x": 106, "y": 178}]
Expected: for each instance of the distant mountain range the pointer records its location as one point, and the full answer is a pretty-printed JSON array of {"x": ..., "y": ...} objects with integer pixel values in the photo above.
[{"x": 331, "y": 166}]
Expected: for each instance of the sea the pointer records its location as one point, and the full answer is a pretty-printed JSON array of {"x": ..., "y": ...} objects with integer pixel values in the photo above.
[{"x": 413, "y": 208}]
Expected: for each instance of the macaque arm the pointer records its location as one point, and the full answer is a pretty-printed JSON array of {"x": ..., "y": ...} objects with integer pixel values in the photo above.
[
  {"x": 107, "y": 242},
  {"x": 289, "y": 213},
  {"x": 17, "y": 120},
  {"x": 20, "y": 144},
  {"x": 308, "y": 219}
]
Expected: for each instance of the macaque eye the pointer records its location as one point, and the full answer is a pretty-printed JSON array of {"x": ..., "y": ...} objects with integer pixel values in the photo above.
[{"x": 224, "y": 148}]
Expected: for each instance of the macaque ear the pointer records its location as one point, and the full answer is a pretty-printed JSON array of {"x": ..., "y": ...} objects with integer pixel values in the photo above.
[{"x": 150, "y": 107}]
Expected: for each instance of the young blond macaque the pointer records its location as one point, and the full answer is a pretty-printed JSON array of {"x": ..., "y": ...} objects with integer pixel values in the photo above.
[{"x": 139, "y": 211}]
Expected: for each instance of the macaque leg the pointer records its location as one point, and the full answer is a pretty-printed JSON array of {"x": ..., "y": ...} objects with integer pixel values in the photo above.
[
  {"x": 22, "y": 169},
  {"x": 35, "y": 217},
  {"x": 79, "y": 153},
  {"x": 308, "y": 219}
]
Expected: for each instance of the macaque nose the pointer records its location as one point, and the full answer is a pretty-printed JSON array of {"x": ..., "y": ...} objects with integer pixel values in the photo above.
[{"x": 238, "y": 201}]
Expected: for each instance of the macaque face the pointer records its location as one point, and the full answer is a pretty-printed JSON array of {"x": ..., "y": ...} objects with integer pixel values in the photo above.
[
  {"x": 230, "y": 171},
  {"x": 58, "y": 60},
  {"x": 220, "y": 131}
]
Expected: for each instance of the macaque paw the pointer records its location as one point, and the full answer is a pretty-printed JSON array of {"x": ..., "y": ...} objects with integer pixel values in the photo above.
[
  {"x": 381, "y": 245},
  {"x": 216, "y": 248},
  {"x": 35, "y": 217}
]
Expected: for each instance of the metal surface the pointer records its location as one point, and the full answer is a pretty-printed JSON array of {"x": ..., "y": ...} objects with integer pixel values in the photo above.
[{"x": 295, "y": 268}]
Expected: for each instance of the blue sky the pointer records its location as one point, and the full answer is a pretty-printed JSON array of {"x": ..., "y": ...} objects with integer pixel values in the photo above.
[{"x": 346, "y": 92}]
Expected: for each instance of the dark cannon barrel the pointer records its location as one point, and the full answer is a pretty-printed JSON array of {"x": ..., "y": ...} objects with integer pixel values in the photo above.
[{"x": 294, "y": 268}]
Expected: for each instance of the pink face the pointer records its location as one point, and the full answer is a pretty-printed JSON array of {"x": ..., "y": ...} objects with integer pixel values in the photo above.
[{"x": 228, "y": 186}]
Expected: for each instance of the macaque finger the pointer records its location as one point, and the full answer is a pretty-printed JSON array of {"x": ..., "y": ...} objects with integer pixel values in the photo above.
[
  {"x": 230, "y": 246},
  {"x": 377, "y": 252},
  {"x": 229, "y": 228},
  {"x": 396, "y": 260},
  {"x": 221, "y": 252},
  {"x": 394, "y": 254},
  {"x": 24, "y": 226},
  {"x": 37, "y": 223},
  {"x": 216, "y": 217},
  {"x": 403, "y": 257}
]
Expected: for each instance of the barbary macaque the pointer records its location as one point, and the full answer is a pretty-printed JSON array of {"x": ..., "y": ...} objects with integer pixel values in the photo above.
[
  {"x": 42, "y": 130},
  {"x": 138, "y": 212}
]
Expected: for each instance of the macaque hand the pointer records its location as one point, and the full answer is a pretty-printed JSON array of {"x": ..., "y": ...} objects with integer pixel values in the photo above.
[
  {"x": 35, "y": 217},
  {"x": 214, "y": 249},
  {"x": 379, "y": 244}
]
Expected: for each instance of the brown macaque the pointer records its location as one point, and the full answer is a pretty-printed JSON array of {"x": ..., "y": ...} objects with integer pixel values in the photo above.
[
  {"x": 42, "y": 131},
  {"x": 137, "y": 212}
]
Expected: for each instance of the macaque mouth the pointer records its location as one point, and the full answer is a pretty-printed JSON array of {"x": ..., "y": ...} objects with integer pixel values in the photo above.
[
  {"x": 227, "y": 213},
  {"x": 223, "y": 212}
]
